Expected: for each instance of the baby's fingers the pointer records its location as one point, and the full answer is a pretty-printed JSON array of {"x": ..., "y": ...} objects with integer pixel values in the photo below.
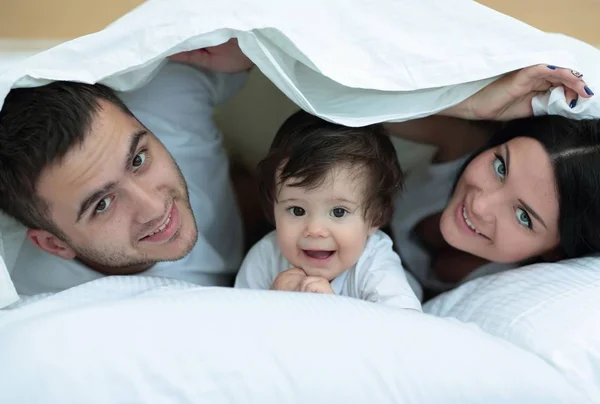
[{"x": 313, "y": 284}]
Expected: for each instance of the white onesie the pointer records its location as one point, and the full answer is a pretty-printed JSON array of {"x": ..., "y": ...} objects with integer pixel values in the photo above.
[
  {"x": 378, "y": 276},
  {"x": 427, "y": 192}
]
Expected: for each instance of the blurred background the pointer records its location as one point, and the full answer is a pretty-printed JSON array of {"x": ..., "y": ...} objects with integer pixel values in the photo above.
[
  {"x": 66, "y": 19},
  {"x": 33, "y": 25}
]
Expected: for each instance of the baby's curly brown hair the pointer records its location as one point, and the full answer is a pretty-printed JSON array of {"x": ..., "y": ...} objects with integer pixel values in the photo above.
[{"x": 307, "y": 147}]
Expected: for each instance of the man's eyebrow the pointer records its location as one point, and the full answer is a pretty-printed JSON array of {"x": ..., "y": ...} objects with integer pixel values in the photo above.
[
  {"x": 92, "y": 197},
  {"x": 533, "y": 213}
]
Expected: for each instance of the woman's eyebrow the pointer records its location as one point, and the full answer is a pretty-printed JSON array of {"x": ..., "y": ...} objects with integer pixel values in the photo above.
[
  {"x": 533, "y": 213},
  {"x": 507, "y": 152}
]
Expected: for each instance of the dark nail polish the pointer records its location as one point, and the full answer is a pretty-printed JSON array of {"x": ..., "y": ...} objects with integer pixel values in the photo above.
[
  {"x": 588, "y": 91},
  {"x": 551, "y": 67},
  {"x": 573, "y": 103}
]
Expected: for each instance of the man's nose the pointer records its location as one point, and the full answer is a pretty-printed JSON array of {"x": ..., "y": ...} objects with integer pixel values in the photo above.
[{"x": 148, "y": 204}]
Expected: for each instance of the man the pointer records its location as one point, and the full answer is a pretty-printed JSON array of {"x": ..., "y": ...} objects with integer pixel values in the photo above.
[{"x": 133, "y": 184}]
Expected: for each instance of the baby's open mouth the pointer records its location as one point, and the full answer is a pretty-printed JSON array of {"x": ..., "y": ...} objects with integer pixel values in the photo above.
[{"x": 318, "y": 254}]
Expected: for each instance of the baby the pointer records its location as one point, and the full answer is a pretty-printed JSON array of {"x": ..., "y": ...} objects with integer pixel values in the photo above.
[{"x": 328, "y": 189}]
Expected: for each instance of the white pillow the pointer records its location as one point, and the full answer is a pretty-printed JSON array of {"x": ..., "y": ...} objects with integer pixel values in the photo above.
[
  {"x": 551, "y": 310},
  {"x": 152, "y": 340}
]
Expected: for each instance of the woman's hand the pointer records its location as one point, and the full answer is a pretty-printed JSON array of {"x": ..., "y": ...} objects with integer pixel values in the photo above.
[
  {"x": 510, "y": 97},
  {"x": 224, "y": 58}
]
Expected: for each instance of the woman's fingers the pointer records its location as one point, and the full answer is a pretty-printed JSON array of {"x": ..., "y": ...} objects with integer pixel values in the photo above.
[
  {"x": 544, "y": 77},
  {"x": 559, "y": 76},
  {"x": 571, "y": 96}
]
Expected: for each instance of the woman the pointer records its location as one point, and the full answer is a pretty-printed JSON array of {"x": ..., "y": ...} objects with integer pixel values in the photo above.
[{"x": 499, "y": 195}]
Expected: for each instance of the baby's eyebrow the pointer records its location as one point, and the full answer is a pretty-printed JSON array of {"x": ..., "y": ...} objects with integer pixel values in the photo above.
[
  {"x": 343, "y": 200},
  {"x": 290, "y": 200}
]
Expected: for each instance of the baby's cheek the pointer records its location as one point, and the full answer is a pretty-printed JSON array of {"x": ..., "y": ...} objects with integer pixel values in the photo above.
[
  {"x": 352, "y": 250},
  {"x": 287, "y": 249}
]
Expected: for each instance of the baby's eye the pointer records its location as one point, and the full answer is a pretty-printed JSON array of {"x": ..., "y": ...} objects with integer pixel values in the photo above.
[
  {"x": 339, "y": 212},
  {"x": 103, "y": 205},
  {"x": 297, "y": 211},
  {"x": 139, "y": 160}
]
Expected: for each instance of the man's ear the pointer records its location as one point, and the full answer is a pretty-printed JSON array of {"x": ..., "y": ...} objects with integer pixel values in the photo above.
[{"x": 50, "y": 243}]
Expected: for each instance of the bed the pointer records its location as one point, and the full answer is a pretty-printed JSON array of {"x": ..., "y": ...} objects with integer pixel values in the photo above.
[{"x": 525, "y": 336}]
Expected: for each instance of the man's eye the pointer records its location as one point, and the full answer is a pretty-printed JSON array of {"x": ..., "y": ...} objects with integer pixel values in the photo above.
[
  {"x": 139, "y": 160},
  {"x": 103, "y": 205}
]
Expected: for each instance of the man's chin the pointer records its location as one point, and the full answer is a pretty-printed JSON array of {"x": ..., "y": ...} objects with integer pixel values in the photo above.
[
  {"x": 116, "y": 269},
  {"x": 179, "y": 248},
  {"x": 142, "y": 258}
]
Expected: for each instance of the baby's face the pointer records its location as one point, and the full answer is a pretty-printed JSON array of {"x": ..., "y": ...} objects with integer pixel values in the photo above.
[{"x": 323, "y": 230}]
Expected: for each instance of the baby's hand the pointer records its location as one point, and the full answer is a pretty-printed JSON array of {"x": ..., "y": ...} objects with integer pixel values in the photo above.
[
  {"x": 289, "y": 280},
  {"x": 315, "y": 284}
]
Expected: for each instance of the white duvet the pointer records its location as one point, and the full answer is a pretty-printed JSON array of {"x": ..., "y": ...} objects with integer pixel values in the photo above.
[
  {"x": 355, "y": 62},
  {"x": 151, "y": 340}
]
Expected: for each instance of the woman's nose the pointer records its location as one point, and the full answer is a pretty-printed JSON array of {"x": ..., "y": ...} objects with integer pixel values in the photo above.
[{"x": 485, "y": 204}]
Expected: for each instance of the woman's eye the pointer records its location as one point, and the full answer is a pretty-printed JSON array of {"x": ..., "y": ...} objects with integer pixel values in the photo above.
[
  {"x": 499, "y": 167},
  {"x": 297, "y": 211},
  {"x": 139, "y": 160},
  {"x": 339, "y": 212},
  {"x": 103, "y": 205},
  {"x": 523, "y": 218}
]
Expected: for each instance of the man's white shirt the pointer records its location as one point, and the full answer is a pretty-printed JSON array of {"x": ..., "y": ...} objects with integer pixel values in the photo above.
[{"x": 177, "y": 106}]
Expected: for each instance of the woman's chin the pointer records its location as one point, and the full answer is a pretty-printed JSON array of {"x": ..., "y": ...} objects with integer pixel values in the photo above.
[{"x": 447, "y": 227}]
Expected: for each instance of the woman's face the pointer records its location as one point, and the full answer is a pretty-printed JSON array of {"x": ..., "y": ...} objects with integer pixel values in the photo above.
[{"x": 505, "y": 205}]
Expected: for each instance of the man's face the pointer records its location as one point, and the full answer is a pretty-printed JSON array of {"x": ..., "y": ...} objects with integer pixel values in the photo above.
[{"x": 119, "y": 199}]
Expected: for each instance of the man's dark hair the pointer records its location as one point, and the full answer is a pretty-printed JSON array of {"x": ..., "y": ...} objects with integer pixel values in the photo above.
[
  {"x": 38, "y": 127},
  {"x": 306, "y": 148}
]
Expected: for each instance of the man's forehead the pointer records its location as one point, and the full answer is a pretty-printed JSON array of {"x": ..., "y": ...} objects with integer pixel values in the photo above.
[{"x": 96, "y": 160}]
